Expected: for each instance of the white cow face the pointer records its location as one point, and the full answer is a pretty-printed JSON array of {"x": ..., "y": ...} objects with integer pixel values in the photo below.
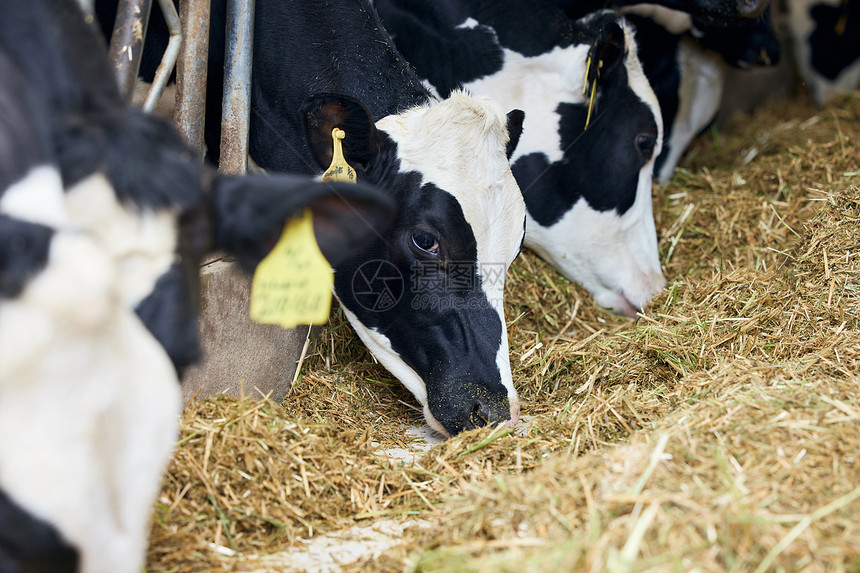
[
  {"x": 587, "y": 180},
  {"x": 426, "y": 298}
]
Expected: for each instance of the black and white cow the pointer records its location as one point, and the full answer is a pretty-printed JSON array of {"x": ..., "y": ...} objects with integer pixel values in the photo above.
[
  {"x": 704, "y": 12},
  {"x": 826, "y": 39},
  {"x": 686, "y": 66},
  {"x": 427, "y": 296},
  {"x": 104, "y": 215},
  {"x": 585, "y": 173}
]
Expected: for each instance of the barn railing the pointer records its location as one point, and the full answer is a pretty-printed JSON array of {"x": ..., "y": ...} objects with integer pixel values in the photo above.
[{"x": 188, "y": 50}]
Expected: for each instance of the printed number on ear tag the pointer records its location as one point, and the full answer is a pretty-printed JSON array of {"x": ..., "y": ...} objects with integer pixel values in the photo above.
[
  {"x": 292, "y": 285},
  {"x": 339, "y": 170}
]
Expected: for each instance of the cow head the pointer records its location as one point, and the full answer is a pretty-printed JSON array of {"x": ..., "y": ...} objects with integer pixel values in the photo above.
[
  {"x": 426, "y": 296},
  {"x": 586, "y": 158},
  {"x": 100, "y": 242}
]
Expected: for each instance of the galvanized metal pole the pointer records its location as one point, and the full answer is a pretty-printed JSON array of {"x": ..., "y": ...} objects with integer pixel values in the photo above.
[
  {"x": 126, "y": 43},
  {"x": 191, "y": 71},
  {"x": 168, "y": 61},
  {"x": 236, "y": 110}
]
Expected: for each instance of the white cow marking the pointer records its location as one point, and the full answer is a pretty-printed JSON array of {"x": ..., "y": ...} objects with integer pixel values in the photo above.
[
  {"x": 36, "y": 198},
  {"x": 89, "y": 396},
  {"x": 141, "y": 243}
]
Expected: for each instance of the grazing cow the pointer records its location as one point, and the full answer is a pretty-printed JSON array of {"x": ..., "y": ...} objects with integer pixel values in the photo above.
[
  {"x": 826, "y": 39},
  {"x": 591, "y": 131},
  {"x": 686, "y": 66},
  {"x": 427, "y": 296},
  {"x": 104, "y": 215}
]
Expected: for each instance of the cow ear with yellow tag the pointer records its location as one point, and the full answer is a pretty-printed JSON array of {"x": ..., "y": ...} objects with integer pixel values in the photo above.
[
  {"x": 250, "y": 213},
  {"x": 322, "y": 113},
  {"x": 293, "y": 284}
]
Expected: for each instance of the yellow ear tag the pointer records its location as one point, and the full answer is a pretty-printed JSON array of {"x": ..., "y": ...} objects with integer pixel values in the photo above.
[
  {"x": 593, "y": 92},
  {"x": 292, "y": 285},
  {"x": 339, "y": 170}
]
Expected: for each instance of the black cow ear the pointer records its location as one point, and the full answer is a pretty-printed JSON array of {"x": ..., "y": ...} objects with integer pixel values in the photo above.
[
  {"x": 607, "y": 51},
  {"x": 515, "y": 130},
  {"x": 249, "y": 214},
  {"x": 324, "y": 112}
]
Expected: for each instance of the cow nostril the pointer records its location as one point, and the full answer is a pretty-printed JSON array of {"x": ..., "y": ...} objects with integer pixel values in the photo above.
[{"x": 479, "y": 416}]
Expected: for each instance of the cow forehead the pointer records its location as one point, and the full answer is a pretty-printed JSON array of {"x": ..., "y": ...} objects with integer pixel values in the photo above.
[
  {"x": 539, "y": 84},
  {"x": 141, "y": 242},
  {"x": 458, "y": 144}
]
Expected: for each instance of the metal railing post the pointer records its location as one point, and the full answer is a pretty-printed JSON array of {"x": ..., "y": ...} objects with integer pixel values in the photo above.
[
  {"x": 191, "y": 70},
  {"x": 126, "y": 43},
  {"x": 236, "y": 111}
]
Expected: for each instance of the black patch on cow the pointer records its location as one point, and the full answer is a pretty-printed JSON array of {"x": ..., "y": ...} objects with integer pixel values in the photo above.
[
  {"x": 658, "y": 54},
  {"x": 30, "y": 545},
  {"x": 748, "y": 42},
  {"x": 448, "y": 56},
  {"x": 24, "y": 249},
  {"x": 304, "y": 48},
  {"x": 24, "y": 127},
  {"x": 427, "y": 35},
  {"x": 515, "y": 130},
  {"x": 143, "y": 157},
  {"x": 437, "y": 316},
  {"x": 601, "y": 164},
  {"x": 835, "y": 40},
  {"x": 170, "y": 314}
]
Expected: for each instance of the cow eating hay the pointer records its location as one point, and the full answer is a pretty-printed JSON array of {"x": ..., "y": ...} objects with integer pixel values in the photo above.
[{"x": 746, "y": 364}]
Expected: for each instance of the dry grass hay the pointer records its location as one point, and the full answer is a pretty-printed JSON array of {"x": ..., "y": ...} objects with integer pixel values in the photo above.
[{"x": 719, "y": 431}]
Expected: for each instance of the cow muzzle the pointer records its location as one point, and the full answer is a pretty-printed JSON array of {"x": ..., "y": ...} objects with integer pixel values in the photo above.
[{"x": 467, "y": 405}]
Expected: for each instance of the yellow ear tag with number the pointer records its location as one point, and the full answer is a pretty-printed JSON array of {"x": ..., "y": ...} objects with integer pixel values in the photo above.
[
  {"x": 339, "y": 170},
  {"x": 293, "y": 284}
]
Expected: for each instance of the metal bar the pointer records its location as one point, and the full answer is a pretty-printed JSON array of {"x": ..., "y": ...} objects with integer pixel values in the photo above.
[
  {"x": 168, "y": 61},
  {"x": 236, "y": 110},
  {"x": 126, "y": 43},
  {"x": 191, "y": 72}
]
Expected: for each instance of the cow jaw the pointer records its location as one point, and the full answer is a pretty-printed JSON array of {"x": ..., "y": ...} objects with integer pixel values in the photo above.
[{"x": 616, "y": 258}]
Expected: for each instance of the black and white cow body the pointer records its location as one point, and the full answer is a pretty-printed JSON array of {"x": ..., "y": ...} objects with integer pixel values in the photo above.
[
  {"x": 587, "y": 189},
  {"x": 426, "y": 297},
  {"x": 686, "y": 63},
  {"x": 826, "y": 41},
  {"x": 705, "y": 13},
  {"x": 104, "y": 215}
]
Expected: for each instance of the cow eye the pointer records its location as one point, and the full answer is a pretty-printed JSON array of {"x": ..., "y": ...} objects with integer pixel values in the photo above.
[
  {"x": 426, "y": 242},
  {"x": 646, "y": 144}
]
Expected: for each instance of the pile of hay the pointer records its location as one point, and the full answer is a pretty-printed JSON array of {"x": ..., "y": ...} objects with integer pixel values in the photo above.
[{"x": 719, "y": 431}]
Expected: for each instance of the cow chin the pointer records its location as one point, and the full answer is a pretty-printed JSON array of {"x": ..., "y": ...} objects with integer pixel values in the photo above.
[{"x": 450, "y": 404}]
